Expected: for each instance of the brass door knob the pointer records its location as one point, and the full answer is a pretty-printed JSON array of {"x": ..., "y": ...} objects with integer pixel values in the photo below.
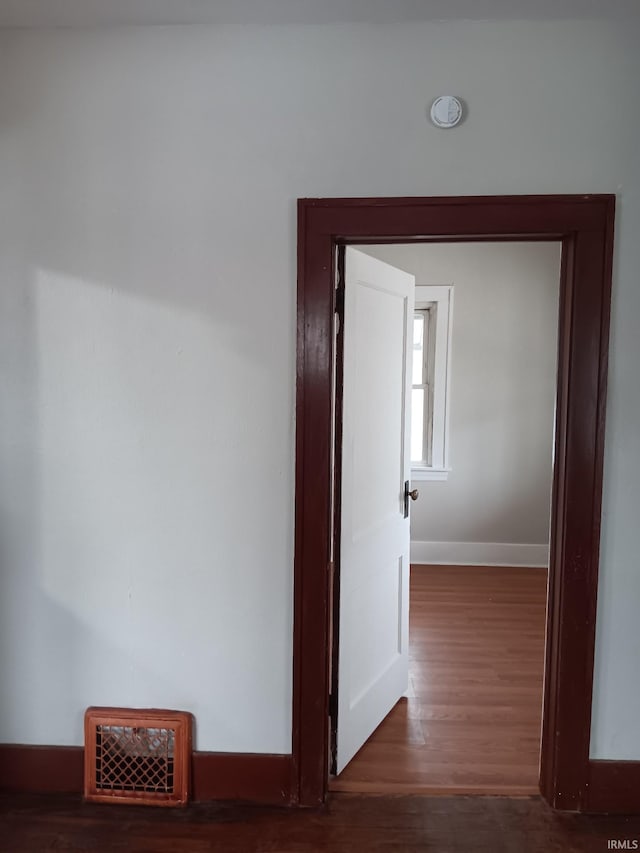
[{"x": 414, "y": 494}]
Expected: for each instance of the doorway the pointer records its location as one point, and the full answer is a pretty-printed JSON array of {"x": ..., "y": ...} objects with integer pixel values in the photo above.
[
  {"x": 481, "y": 366},
  {"x": 584, "y": 226}
]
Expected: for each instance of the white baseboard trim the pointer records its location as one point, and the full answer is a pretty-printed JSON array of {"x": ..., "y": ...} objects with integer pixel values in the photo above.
[{"x": 479, "y": 554}]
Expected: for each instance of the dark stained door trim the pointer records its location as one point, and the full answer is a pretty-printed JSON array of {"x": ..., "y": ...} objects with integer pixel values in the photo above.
[{"x": 585, "y": 225}]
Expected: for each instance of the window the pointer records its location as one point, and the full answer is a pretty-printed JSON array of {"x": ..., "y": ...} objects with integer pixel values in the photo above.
[
  {"x": 422, "y": 384},
  {"x": 430, "y": 382}
]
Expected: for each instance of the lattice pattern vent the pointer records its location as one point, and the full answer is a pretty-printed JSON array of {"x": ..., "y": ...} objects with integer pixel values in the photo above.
[{"x": 137, "y": 756}]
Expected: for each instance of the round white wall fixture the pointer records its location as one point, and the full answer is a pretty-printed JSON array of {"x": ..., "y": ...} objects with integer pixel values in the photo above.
[{"x": 446, "y": 111}]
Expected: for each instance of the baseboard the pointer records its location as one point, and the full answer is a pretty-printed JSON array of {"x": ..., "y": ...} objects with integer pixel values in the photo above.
[
  {"x": 41, "y": 769},
  {"x": 479, "y": 554},
  {"x": 614, "y": 787},
  {"x": 254, "y": 778}
]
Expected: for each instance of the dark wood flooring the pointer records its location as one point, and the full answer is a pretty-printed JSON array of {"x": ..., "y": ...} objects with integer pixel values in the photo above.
[{"x": 349, "y": 824}]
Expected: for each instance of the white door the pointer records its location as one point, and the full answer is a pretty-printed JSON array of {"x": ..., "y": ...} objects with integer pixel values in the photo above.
[{"x": 373, "y": 662}]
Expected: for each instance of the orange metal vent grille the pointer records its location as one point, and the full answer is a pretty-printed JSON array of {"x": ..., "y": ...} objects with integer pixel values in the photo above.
[{"x": 137, "y": 756}]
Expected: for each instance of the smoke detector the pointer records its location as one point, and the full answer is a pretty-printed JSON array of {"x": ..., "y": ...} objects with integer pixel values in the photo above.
[{"x": 446, "y": 111}]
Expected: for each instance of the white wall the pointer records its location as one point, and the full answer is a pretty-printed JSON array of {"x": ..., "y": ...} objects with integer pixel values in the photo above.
[
  {"x": 503, "y": 380},
  {"x": 147, "y": 278}
]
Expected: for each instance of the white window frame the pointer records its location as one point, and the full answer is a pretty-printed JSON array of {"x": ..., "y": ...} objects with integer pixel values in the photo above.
[{"x": 442, "y": 297}]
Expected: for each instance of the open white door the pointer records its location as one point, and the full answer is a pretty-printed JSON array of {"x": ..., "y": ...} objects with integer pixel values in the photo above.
[{"x": 373, "y": 662}]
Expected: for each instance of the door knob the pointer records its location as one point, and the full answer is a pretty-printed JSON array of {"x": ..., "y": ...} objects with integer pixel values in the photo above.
[{"x": 414, "y": 494}]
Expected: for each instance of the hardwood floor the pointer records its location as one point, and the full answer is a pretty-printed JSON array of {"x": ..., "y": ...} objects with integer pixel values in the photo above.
[
  {"x": 349, "y": 824},
  {"x": 471, "y": 720}
]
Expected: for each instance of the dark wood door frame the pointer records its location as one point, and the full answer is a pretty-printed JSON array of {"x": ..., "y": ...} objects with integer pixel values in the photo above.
[{"x": 584, "y": 224}]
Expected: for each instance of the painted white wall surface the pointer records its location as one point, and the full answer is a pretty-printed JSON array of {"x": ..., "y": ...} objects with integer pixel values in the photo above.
[
  {"x": 502, "y": 396},
  {"x": 147, "y": 330}
]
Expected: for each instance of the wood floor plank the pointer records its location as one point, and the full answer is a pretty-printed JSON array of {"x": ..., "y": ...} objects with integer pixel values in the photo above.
[{"x": 471, "y": 720}]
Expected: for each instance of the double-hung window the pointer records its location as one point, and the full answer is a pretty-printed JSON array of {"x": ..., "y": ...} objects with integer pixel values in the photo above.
[
  {"x": 424, "y": 329},
  {"x": 431, "y": 382}
]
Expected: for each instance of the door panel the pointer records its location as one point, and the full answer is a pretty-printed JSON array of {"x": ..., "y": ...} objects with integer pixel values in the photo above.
[{"x": 374, "y": 536}]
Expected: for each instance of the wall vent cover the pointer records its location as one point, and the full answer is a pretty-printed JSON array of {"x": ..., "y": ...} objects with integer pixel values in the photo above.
[{"x": 133, "y": 756}]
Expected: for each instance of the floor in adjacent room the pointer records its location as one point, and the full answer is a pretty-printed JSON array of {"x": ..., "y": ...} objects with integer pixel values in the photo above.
[{"x": 471, "y": 720}]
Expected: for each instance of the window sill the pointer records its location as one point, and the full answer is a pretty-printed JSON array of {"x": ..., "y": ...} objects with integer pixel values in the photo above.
[{"x": 437, "y": 474}]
